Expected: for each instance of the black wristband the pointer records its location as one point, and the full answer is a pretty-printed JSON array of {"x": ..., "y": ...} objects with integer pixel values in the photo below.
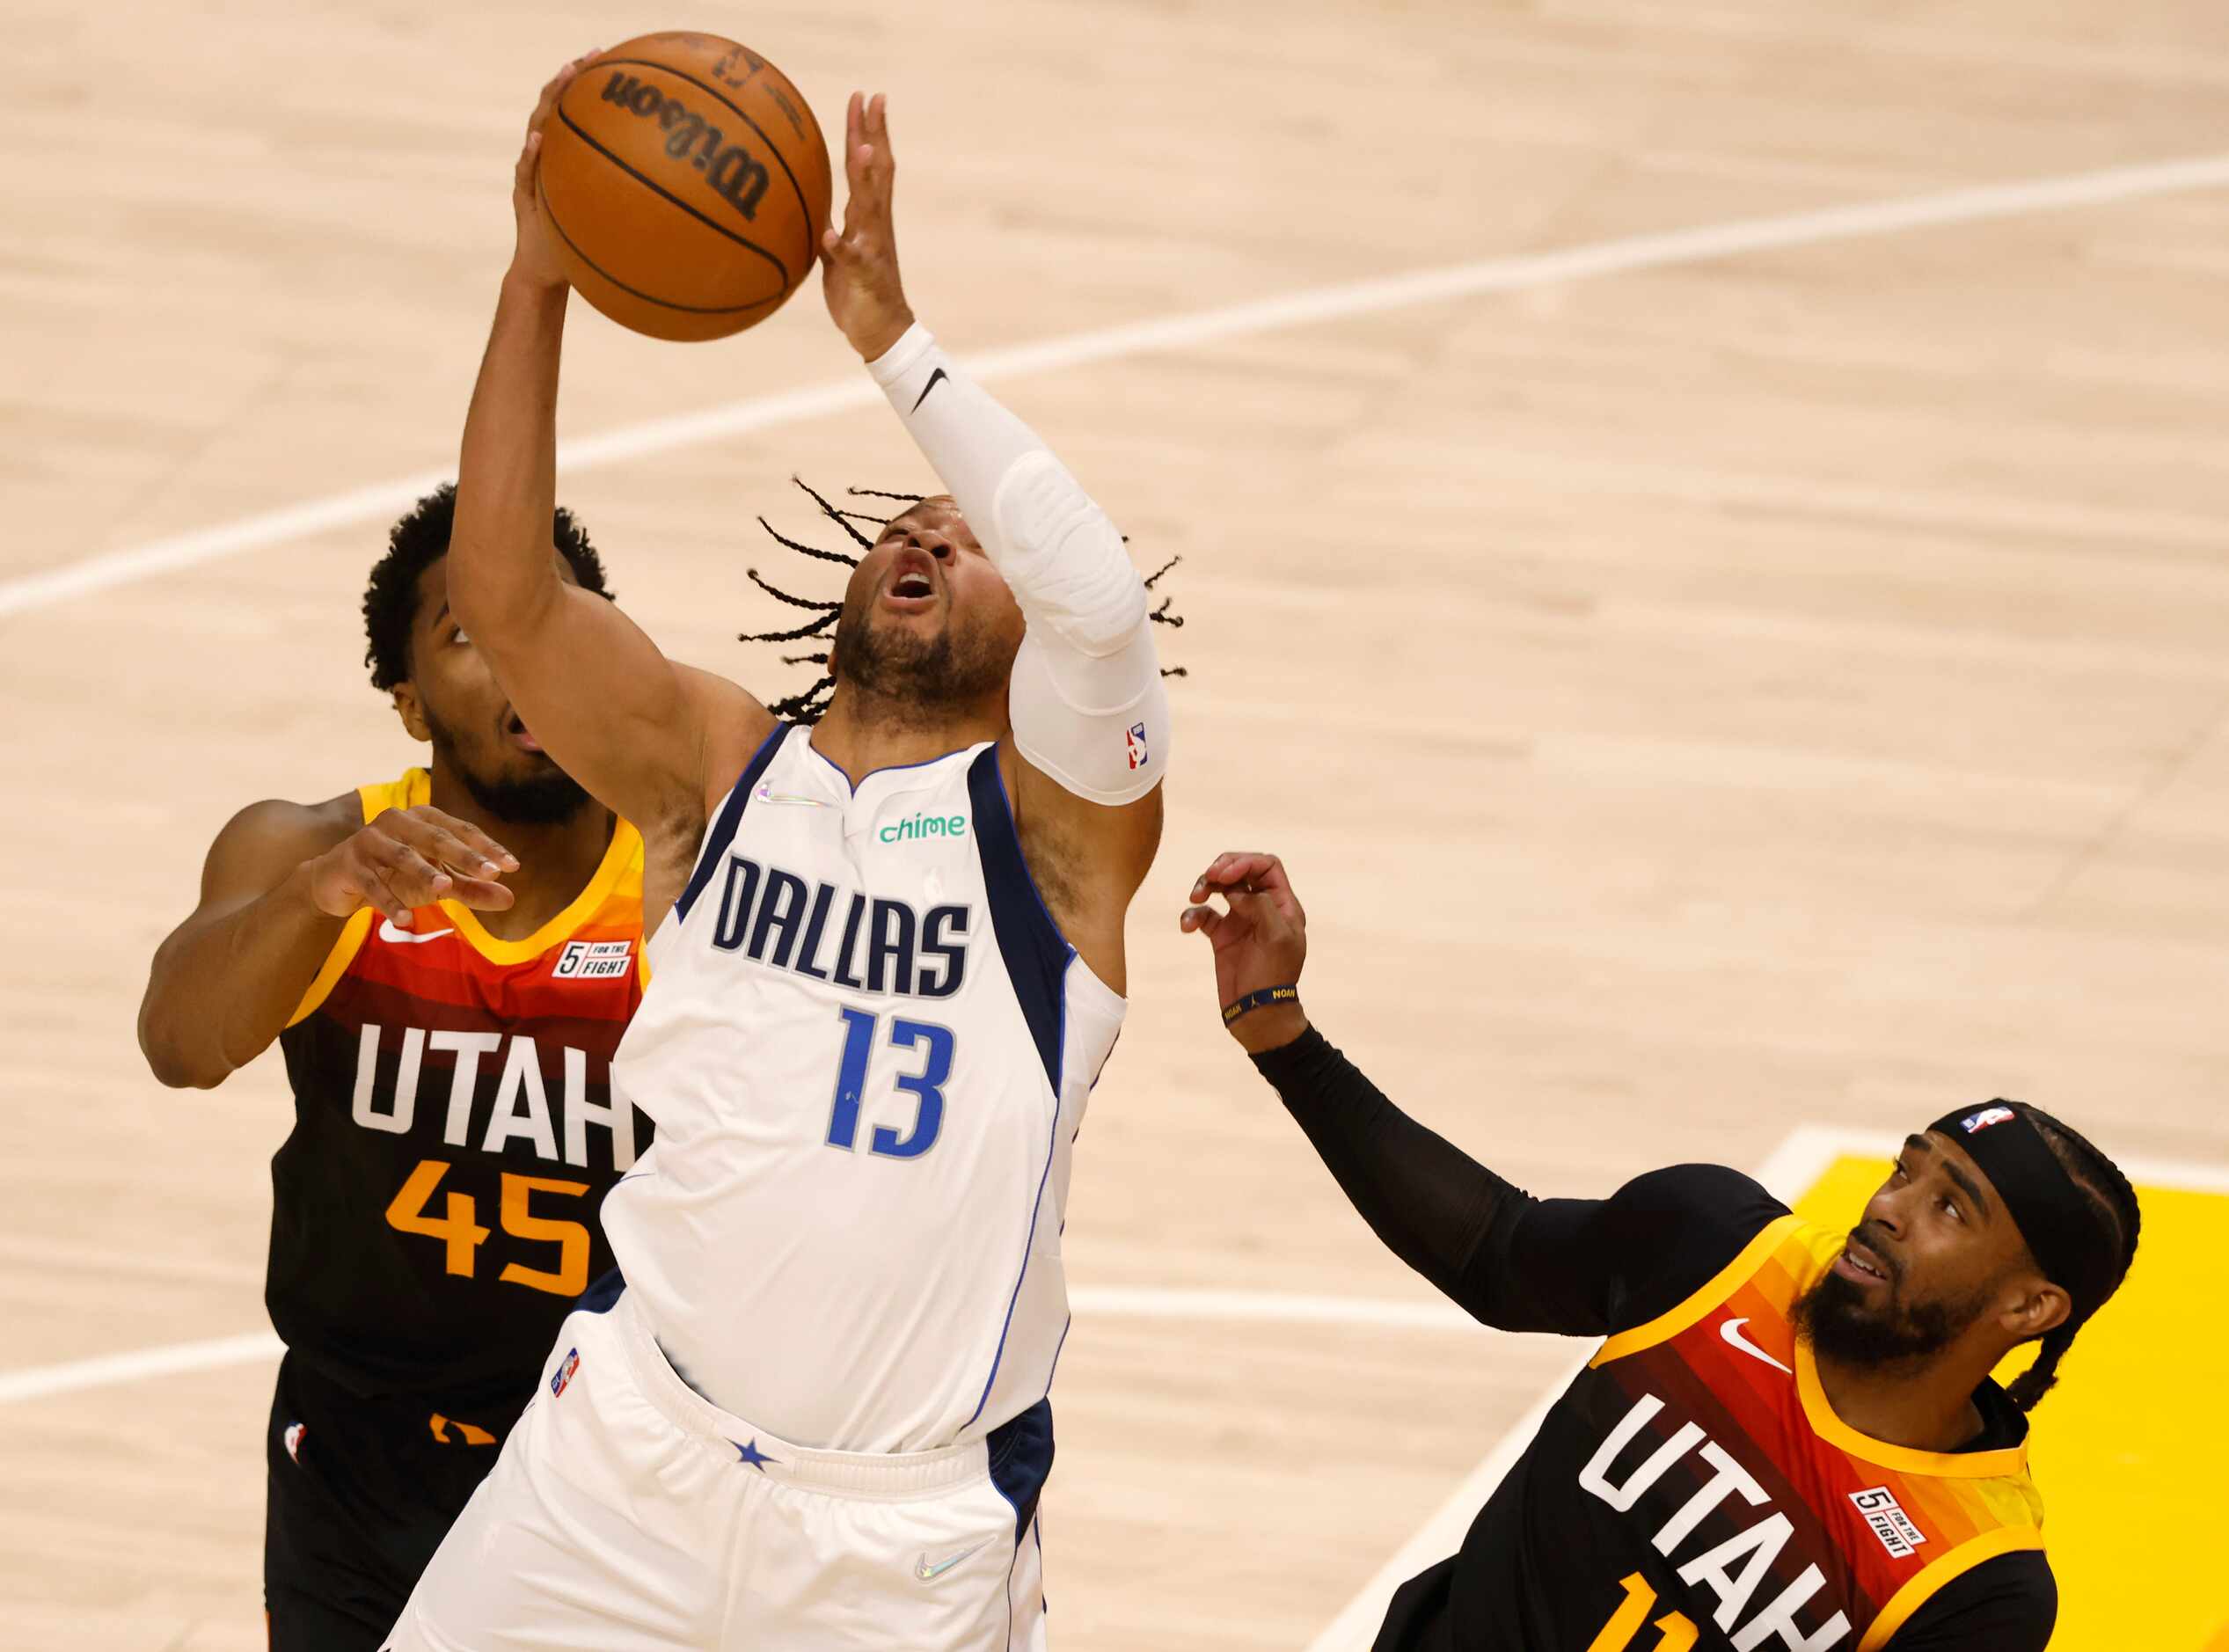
[{"x": 1290, "y": 993}]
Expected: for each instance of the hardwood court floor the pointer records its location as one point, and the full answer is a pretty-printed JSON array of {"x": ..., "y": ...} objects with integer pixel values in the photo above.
[{"x": 1761, "y": 687}]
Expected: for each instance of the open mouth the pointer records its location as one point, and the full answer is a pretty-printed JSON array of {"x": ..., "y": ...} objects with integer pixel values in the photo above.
[
  {"x": 520, "y": 735},
  {"x": 912, "y": 584},
  {"x": 1859, "y": 1263}
]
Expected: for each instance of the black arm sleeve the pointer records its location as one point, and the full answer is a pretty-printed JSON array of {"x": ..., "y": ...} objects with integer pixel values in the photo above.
[
  {"x": 1576, "y": 1267},
  {"x": 2007, "y": 1605}
]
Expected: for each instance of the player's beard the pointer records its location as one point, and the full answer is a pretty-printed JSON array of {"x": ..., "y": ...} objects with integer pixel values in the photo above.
[
  {"x": 546, "y": 795},
  {"x": 1834, "y": 1317},
  {"x": 903, "y": 676}
]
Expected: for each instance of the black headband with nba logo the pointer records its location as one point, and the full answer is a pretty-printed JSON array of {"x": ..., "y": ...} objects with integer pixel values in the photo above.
[{"x": 2054, "y": 1214}]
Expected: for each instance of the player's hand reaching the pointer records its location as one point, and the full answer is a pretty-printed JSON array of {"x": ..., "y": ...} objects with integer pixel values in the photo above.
[
  {"x": 1260, "y": 942},
  {"x": 859, "y": 263},
  {"x": 410, "y": 857},
  {"x": 535, "y": 259}
]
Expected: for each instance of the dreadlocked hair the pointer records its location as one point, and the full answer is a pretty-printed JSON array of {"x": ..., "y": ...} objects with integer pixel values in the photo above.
[
  {"x": 2120, "y": 1221},
  {"x": 808, "y": 705}
]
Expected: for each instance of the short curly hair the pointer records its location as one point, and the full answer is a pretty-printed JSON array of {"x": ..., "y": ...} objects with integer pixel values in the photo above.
[{"x": 414, "y": 544}]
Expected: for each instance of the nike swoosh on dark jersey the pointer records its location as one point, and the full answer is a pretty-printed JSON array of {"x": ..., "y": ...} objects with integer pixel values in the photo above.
[{"x": 925, "y": 388}]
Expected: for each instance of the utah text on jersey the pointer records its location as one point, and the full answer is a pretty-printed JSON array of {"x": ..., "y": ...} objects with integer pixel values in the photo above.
[
  {"x": 1747, "y": 1504},
  {"x": 457, "y": 1128}
]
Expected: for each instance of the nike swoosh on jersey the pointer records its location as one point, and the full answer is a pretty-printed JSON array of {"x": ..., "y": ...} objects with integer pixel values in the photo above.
[
  {"x": 929, "y": 1573},
  {"x": 1732, "y": 1332},
  {"x": 388, "y": 932}
]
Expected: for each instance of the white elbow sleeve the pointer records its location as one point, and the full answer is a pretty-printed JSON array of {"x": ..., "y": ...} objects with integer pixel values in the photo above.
[
  {"x": 1097, "y": 724},
  {"x": 1064, "y": 560}
]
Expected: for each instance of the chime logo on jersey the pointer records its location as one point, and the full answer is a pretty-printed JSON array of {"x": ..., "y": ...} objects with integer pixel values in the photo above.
[
  {"x": 594, "y": 960},
  {"x": 1890, "y": 1523},
  {"x": 1986, "y": 1117},
  {"x": 564, "y": 1373},
  {"x": 1135, "y": 740}
]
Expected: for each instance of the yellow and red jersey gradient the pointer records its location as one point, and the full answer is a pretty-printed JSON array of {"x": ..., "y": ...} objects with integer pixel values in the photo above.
[
  {"x": 457, "y": 1128},
  {"x": 1886, "y": 1526}
]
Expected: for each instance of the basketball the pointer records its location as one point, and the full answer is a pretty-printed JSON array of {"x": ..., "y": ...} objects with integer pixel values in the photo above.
[{"x": 688, "y": 185}]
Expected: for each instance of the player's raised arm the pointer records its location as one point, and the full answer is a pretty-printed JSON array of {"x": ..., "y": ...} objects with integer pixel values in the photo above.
[
  {"x": 1517, "y": 1263},
  {"x": 649, "y": 737},
  {"x": 280, "y": 882},
  {"x": 1089, "y": 713}
]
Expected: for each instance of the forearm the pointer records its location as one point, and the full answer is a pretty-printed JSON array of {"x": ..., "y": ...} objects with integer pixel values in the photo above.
[
  {"x": 1087, "y": 703},
  {"x": 221, "y": 988},
  {"x": 1433, "y": 1206},
  {"x": 501, "y": 570}
]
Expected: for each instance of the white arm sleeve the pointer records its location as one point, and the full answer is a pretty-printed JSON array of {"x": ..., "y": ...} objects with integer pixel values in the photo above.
[{"x": 1087, "y": 702}]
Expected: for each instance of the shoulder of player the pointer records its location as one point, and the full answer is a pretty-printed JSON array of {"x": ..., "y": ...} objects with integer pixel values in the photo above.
[
  {"x": 1715, "y": 1197},
  {"x": 282, "y": 832},
  {"x": 2008, "y": 1603},
  {"x": 1679, "y": 1229}
]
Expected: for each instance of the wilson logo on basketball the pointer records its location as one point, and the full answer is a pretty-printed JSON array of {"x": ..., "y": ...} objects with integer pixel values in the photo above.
[{"x": 738, "y": 180}]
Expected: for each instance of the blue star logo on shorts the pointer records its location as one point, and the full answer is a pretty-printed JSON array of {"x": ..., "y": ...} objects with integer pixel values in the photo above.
[{"x": 752, "y": 1455}]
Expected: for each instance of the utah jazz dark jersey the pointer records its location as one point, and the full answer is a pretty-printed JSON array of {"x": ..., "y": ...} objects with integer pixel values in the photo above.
[
  {"x": 456, "y": 1129},
  {"x": 1698, "y": 1465}
]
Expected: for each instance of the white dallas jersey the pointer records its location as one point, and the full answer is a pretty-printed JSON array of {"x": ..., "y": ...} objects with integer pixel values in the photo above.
[{"x": 868, "y": 1049}]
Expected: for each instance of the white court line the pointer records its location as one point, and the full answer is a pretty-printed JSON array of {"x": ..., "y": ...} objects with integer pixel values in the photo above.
[
  {"x": 1788, "y": 1173},
  {"x": 136, "y": 1364},
  {"x": 1115, "y": 1301},
  {"x": 383, "y": 500}
]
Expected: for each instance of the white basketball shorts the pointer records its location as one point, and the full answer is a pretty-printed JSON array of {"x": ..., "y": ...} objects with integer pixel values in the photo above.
[{"x": 629, "y": 1514}]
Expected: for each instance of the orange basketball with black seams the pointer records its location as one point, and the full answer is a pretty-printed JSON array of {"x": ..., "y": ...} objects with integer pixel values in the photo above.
[{"x": 688, "y": 185}]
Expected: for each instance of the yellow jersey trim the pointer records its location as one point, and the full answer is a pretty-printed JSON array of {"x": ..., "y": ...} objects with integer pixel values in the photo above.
[
  {"x": 1931, "y": 1577},
  {"x": 344, "y": 951},
  {"x": 416, "y": 788},
  {"x": 373, "y": 800},
  {"x": 1819, "y": 1412},
  {"x": 624, "y": 846},
  {"x": 1722, "y": 1284}
]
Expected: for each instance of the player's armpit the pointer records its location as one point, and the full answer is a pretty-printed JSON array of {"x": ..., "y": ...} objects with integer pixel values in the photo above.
[{"x": 222, "y": 982}]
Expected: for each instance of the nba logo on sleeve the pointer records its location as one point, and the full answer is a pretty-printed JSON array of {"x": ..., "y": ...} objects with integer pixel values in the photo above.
[
  {"x": 1135, "y": 741},
  {"x": 593, "y": 961}
]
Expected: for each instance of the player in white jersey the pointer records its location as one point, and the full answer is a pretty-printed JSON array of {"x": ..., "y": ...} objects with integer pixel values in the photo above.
[{"x": 814, "y": 1416}]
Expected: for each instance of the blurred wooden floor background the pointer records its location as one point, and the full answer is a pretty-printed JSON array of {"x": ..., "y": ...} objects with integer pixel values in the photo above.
[{"x": 1761, "y": 687}]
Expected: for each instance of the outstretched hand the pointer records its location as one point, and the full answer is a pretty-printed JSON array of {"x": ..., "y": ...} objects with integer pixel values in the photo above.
[
  {"x": 535, "y": 259},
  {"x": 859, "y": 263},
  {"x": 1261, "y": 941},
  {"x": 408, "y": 858}
]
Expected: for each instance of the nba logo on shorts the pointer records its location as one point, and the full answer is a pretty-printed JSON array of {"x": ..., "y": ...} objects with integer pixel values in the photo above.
[
  {"x": 564, "y": 1373},
  {"x": 1135, "y": 741},
  {"x": 293, "y": 1438},
  {"x": 1986, "y": 1117}
]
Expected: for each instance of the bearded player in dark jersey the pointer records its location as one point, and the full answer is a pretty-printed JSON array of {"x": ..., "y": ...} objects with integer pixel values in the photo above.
[
  {"x": 1790, "y": 1438},
  {"x": 446, "y": 961}
]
